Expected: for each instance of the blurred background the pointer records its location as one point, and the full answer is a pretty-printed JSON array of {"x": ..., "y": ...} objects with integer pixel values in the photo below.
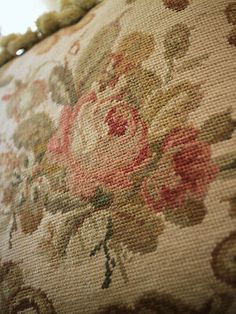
[{"x": 17, "y": 15}]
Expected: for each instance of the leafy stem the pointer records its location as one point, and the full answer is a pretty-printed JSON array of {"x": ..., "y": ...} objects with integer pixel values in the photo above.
[
  {"x": 110, "y": 262},
  {"x": 12, "y": 229},
  {"x": 169, "y": 75},
  {"x": 227, "y": 166},
  {"x": 121, "y": 265}
]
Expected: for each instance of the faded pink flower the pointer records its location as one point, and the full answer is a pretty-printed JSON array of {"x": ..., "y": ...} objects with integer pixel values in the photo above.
[
  {"x": 185, "y": 170},
  {"x": 25, "y": 97},
  {"x": 101, "y": 142},
  {"x": 118, "y": 66}
]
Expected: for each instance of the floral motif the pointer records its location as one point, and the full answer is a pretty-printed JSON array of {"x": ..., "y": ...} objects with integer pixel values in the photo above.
[
  {"x": 25, "y": 97},
  {"x": 24, "y": 195},
  {"x": 16, "y": 298},
  {"x": 184, "y": 171},
  {"x": 176, "y": 42},
  {"x": 136, "y": 227},
  {"x": 33, "y": 132},
  {"x": 8, "y": 165},
  {"x": 131, "y": 43},
  {"x": 28, "y": 299},
  {"x": 89, "y": 140},
  {"x": 25, "y": 185},
  {"x": 222, "y": 124},
  {"x": 127, "y": 58},
  {"x": 29, "y": 192},
  {"x": 62, "y": 86},
  {"x": 164, "y": 164},
  {"x": 127, "y": 150},
  {"x": 11, "y": 280},
  {"x": 90, "y": 66}
]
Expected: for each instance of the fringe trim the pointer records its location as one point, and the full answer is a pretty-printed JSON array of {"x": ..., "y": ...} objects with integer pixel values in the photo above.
[{"x": 71, "y": 11}]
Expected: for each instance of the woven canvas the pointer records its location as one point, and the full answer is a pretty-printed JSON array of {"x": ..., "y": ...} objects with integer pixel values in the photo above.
[{"x": 118, "y": 163}]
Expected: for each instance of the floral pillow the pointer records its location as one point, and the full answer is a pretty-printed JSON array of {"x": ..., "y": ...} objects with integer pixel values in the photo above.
[{"x": 118, "y": 163}]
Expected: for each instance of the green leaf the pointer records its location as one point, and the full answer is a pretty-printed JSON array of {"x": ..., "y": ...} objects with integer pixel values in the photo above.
[
  {"x": 176, "y": 43},
  {"x": 136, "y": 227},
  {"x": 192, "y": 63},
  {"x": 94, "y": 59},
  {"x": 61, "y": 202},
  {"x": 136, "y": 47},
  {"x": 62, "y": 87},
  {"x": 34, "y": 131},
  {"x": 30, "y": 216},
  {"x": 219, "y": 127},
  {"x": 171, "y": 108},
  {"x": 11, "y": 279},
  {"x": 140, "y": 84},
  {"x": 101, "y": 198},
  {"x": 190, "y": 214},
  {"x": 69, "y": 225}
]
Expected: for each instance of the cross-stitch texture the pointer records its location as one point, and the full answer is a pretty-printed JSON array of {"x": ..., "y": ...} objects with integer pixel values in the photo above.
[{"x": 118, "y": 163}]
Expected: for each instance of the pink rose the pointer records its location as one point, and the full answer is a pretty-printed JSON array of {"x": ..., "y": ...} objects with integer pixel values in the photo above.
[
  {"x": 101, "y": 142},
  {"x": 185, "y": 170}
]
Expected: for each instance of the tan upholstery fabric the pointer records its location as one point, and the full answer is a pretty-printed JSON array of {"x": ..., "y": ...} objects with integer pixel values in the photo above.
[{"x": 118, "y": 163}]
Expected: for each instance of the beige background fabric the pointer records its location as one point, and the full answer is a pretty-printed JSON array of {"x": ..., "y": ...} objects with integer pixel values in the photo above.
[{"x": 182, "y": 265}]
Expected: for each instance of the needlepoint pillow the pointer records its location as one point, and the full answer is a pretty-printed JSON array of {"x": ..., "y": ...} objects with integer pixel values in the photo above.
[{"x": 118, "y": 163}]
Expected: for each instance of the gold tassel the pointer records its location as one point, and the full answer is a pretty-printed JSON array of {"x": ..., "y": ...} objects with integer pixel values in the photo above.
[
  {"x": 48, "y": 23},
  {"x": 24, "y": 41},
  {"x": 70, "y": 16},
  {"x": 71, "y": 11}
]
